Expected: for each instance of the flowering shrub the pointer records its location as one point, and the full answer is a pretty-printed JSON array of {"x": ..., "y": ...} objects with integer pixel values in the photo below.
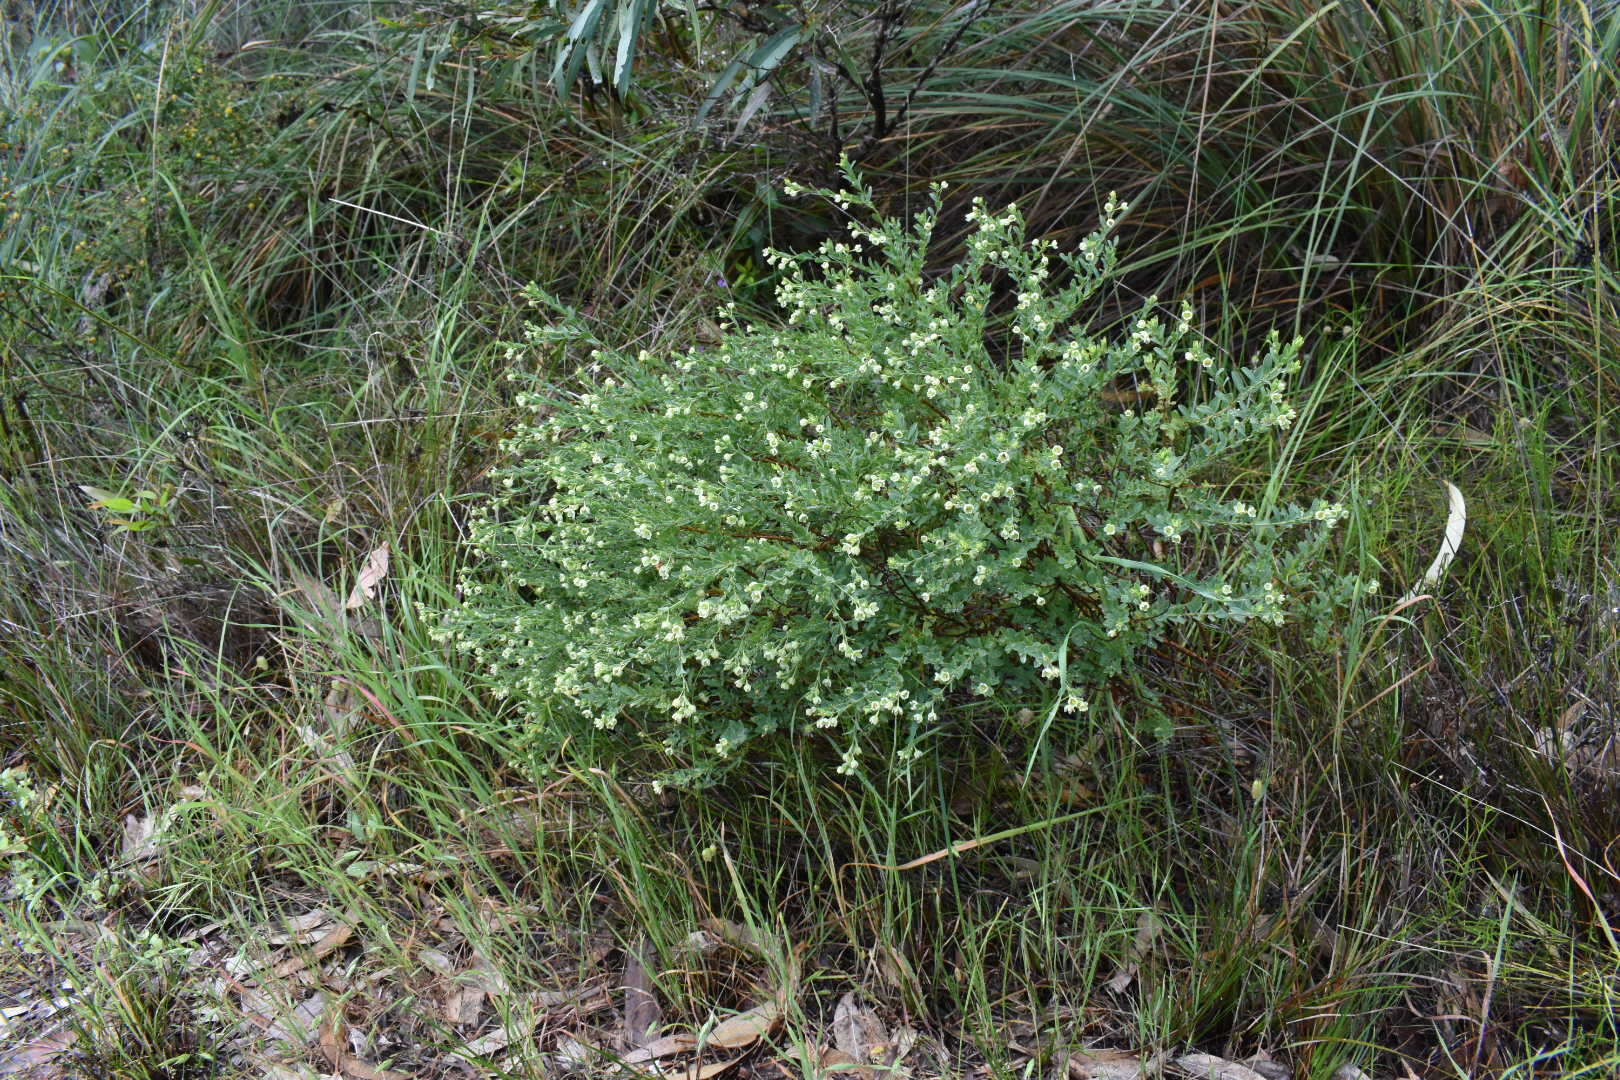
[{"x": 852, "y": 525}]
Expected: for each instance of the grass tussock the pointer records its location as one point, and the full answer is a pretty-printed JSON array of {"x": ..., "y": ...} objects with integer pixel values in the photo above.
[{"x": 256, "y": 266}]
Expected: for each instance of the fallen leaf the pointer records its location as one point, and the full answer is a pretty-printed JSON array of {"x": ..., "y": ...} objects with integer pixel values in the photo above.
[
  {"x": 463, "y": 1007},
  {"x": 641, "y": 1011},
  {"x": 1456, "y": 523},
  {"x": 301, "y": 929},
  {"x": 575, "y": 1053},
  {"x": 41, "y": 1054},
  {"x": 333, "y": 939},
  {"x": 141, "y": 840},
  {"x": 828, "y": 1058},
  {"x": 857, "y": 1031},
  {"x": 301, "y": 1025},
  {"x": 365, "y": 588},
  {"x": 333, "y": 1037},
  {"x": 1147, "y": 929},
  {"x": 661, "y": 1047},
  {"x": 435, "y": 960},
  {"x": 1105, "y": 1065},
  {"x": 703, "y": 1072},
  {"x": 746, "y": 1028},
  {"x": 1210, "y": 1067}
]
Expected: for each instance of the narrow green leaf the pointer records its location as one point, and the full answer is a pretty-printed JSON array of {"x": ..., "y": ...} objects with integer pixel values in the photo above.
[
  {"x": 632, "y": 21},
  {"x": 572, "y": 52},
  {"x": 697, "y": 26},
  {"x": 733, "y": 71},
  {"x": 101, "y": 495},
  {"x": 768, "y": 56}
]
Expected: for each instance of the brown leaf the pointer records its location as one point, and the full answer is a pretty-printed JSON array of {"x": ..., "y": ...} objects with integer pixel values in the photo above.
[
  {"x": 1147, "y": 929},
  {"x": 141, "y": 842},
  {"x": 334, "y": 938},
  {"x": 661, "y": 1047},
  {"x": 857, "y": 1031},
  {"x": 463, "y": 1006},
  {"x": 735, "y": 935},
  {"x": 1210, "y": 1067},
  {"x": 38, "y": 1058},
  {"x": 298, "y": 1026},
  {"x": 1105, "y": 1065},
  {"x": 828, "y": 1058},
  {"x": 485, "y": 976},
  {"x": 746, "y": 1028},
  {"x": 301, "y": 929},
  {"x": 641, "y": 1011},
  {"x": 703, "y": 1072},
  {"x": 365, "y": 587},
  {"x": 333, "y": 1042}
]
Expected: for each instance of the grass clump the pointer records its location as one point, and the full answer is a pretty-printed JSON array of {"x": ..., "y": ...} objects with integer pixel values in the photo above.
[{"x": 855, "y": 523}]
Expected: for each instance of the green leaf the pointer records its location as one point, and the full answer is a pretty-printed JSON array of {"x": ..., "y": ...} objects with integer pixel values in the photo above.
[
  {"x": 697, "y": 26},
  {"x": 572, "y": 52},
  {"x": 632, "y": 21},
  {"x": 759, "y": 64},
  {"x": 733, "y": 71},
  {"x": 768, "y": 56}
]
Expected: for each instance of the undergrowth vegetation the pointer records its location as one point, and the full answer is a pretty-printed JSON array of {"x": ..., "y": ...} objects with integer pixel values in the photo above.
[{"x": 258, "y": 268}]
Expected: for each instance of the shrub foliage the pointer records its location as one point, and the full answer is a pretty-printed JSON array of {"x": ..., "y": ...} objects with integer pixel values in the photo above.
[{"x": 915, "y": 493}]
